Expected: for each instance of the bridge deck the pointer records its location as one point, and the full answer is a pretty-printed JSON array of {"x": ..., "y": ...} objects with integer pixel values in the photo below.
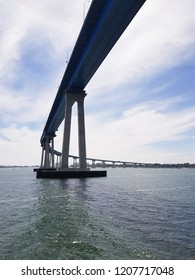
[{"x": 104, "y": 24}]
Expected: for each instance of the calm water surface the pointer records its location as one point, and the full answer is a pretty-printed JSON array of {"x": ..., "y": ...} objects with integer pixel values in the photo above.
[{"x": 131, "y": 214}]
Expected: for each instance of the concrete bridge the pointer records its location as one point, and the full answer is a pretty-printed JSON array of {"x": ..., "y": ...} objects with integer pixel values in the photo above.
[
  {"x": 55, "y": 159},
  {"x": 104, "y": 24}
]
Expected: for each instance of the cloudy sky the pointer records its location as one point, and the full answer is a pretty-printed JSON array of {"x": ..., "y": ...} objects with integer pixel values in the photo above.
[{"x": 140, "y": 105}]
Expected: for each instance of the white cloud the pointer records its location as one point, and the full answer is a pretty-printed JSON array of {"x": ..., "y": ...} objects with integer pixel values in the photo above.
[
  {"x": 19, "y": 145},
  {"x": 131, "y": 137},
  {"x": 24, "y": 108},
  {"x": 30, "y": 21},
  {"x": 161, "y": 36},
  {"x": 11, "y": 103}
]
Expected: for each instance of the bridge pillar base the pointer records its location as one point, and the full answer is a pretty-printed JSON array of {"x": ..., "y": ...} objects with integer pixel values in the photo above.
[
  {"x": 73, "y": 169},
  {"x": 61, "y": 174}
]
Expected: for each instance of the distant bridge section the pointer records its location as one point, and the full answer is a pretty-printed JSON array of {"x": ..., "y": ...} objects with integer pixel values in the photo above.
[{"x": 95, "y": 162}]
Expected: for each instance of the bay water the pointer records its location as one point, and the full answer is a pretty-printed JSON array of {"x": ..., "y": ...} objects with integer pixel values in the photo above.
[{"x": 133, "y": 213}]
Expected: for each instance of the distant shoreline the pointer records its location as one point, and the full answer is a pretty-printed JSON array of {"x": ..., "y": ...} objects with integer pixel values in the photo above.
[{"x": 136, "y": 165}]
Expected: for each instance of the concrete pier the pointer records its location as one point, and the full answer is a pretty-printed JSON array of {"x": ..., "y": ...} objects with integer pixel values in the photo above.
[
  {"x": 71, "y": 98},
  {"x": 63, "y": 174},
  {"x": 47, "y": 169}
]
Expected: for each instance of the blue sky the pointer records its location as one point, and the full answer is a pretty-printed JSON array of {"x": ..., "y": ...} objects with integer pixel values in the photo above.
[{"x": 140, "y": 105}]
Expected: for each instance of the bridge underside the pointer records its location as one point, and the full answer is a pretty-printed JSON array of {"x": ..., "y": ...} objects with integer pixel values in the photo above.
[{"x": 103, "y": 26}]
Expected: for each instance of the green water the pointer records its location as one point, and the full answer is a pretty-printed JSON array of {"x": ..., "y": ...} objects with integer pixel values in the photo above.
[{"x": 132, "y": 214}]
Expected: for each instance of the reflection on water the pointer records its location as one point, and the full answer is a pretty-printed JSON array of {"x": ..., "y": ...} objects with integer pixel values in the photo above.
[{"x": 131, "y": 214}]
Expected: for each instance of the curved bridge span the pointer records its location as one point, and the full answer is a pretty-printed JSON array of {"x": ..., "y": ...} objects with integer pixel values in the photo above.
[{"x": 104, "y": 24}]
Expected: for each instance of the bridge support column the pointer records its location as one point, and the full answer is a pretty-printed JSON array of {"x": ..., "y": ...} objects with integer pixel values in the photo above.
[
  {"x": 81, "y": 131},
  {"x": 47, "y": 161},
  {"x": 75, "y": 162},
  {"x": 57, "y": 161},
  {"x": 70, "y": 98},
  {"x": 42, "y": 156},
  {"x": 67, "y": 126},
  {"x": 47, "y": 157},
  {"x": 52, "y": 153},
  {"x": 93, "y": 163}
]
